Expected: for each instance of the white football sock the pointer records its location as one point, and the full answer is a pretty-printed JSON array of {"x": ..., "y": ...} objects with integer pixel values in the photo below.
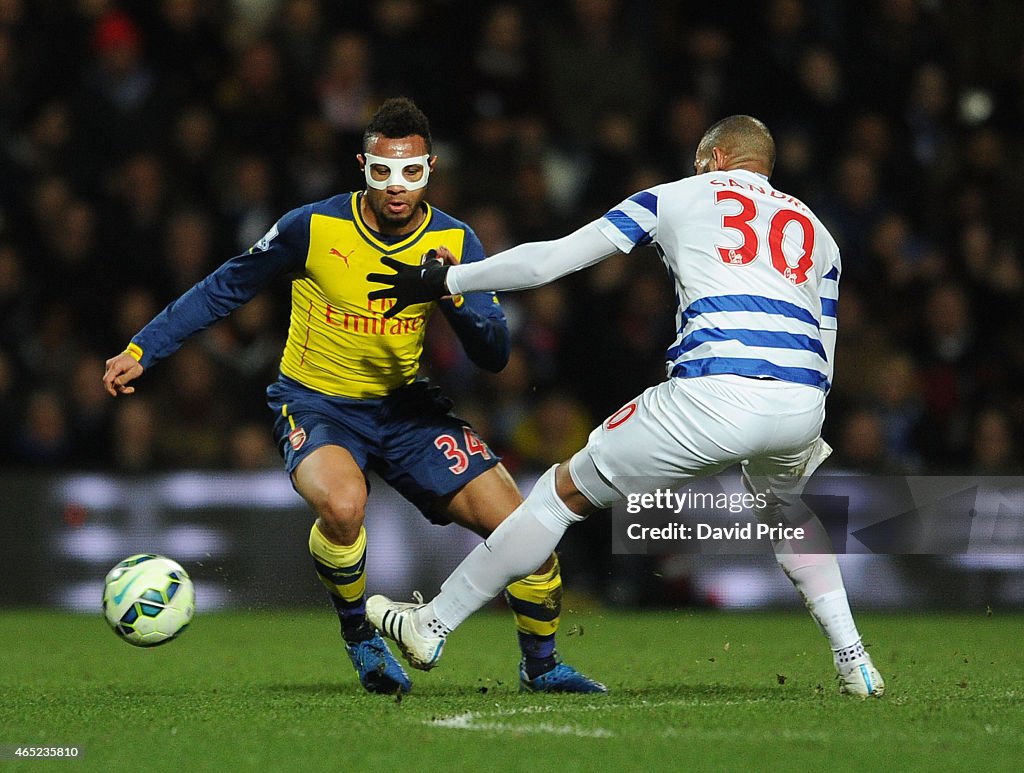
[
  {"x": 520, "y": 544},
  {"x": 815, "y": 574},
  {"x": 817, "y": 577}
]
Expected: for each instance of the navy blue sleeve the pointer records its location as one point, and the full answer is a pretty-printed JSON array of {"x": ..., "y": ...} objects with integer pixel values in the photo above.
[
  {"x": 477, "y": 318},
  {"x": 237, "y": 281}
]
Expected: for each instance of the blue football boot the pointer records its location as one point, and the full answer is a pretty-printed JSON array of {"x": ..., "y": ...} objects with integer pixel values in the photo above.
[
  {"x": 561, "y": 678},
  {"x": 378, "y": 670}
]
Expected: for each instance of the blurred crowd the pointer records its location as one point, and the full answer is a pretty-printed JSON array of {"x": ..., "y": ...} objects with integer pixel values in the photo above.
[{"x": 144, "y": 142}]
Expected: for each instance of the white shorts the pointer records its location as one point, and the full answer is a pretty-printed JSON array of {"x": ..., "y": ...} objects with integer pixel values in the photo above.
[{"x": 689, "y": 428}]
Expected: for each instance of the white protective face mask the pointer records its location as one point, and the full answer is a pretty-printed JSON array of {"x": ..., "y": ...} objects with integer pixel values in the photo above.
[{"x": 396, "y": 171}]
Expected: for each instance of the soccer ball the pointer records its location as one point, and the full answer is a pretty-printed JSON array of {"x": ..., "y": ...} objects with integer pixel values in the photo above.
[{"x": 148, "y": 599}]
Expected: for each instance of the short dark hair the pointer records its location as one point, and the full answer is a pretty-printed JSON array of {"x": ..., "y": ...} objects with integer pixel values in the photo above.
[
  {"x": 740, "y": 135},
  {"x": 398, "y": 117}
]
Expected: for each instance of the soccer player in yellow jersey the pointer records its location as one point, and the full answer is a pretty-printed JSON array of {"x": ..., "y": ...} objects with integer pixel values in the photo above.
[{"x": 348, "y": 399}]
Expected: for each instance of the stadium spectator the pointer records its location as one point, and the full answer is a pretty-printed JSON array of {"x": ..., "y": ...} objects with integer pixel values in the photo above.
[
  {"x": 256, "y": 103},
  {"x": 120, "y": 104},
  {"x": 252, "y": 448},
  {"x": 414, "y": 27},
  {"x": 594, "y": 42},
  {"x": 553, "y": 431},
  {"x": 192, "y": 152},
  {"x": 948, "y": 352},
  {"x": 247, "y": 349},
  {"x": 89, "y": 415},
  {"x": 18, "y": 302},
  {"x": 300, "y": 33},
  {"x": 43, "y": 437},
  {"x": 683, "y": 125},
  {"x": 47, "y": 144},
  {"x": 248, "y": 205},
  {"x": 188, "y": 250},
  {"x": 9, "y": 416},
  {"x": 505, "y": 68},
  {"x": 50, "y": 195},
  {"x": 186, "y": 46},
  {"x": 312, "y": 167},
  {"x": 510, "y": 395},
  {"x": 860, "y": 445},
  {"x": 136, "y": 427},
  {"x": 995, "y": 449},
  {"x": 345, "y": 88},
  {"x": 12, "y": 96},
  {"x": 899, "y": 409},
  {"x": 852, "y": 207},
  {"x": 194, "y": 424},
  {"x": 136, "y": 217},
  {"x": 787, "y": 33},
  {"x": 613, "y": 157},
  {"x": 133, "y": 308},
  {"x": 51, "y": 346}
]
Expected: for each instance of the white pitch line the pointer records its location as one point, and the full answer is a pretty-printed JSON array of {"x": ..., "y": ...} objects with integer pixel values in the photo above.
[
  {"x": 486, "y": 720},
  {"x": 606, "y": 704},
  {"x": 470, "y": 721}
]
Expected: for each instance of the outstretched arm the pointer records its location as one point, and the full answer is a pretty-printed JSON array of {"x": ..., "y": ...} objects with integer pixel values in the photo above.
[
  {"x": 520, "y": 268},
  {"x": 234, "y": 283},
  {"x": 204, "y": 303},
  {"x": 533, "y": 264}
]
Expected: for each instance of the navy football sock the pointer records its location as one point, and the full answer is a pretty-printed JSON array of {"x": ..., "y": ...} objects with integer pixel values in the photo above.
[
  {"x": 354, "y": 625},
  {"x": 538, "y": 653}
]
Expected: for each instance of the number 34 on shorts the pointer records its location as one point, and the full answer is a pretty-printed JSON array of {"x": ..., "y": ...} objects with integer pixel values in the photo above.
[{"x": 453, "y": 449}]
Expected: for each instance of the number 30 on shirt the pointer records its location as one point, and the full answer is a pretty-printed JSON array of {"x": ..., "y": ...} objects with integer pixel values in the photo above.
[{"x": 794, "y": 270}]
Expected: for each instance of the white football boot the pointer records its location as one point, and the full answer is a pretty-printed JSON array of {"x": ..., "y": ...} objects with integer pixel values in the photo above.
[
  {"x": 861, "y": 679},
  {"x": 395, "y": 619}
]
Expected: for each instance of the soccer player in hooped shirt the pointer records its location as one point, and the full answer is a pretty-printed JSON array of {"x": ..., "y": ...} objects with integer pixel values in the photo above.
[
  {"x": 348, "y": 400},
  {"x": 757, "y": 279}
]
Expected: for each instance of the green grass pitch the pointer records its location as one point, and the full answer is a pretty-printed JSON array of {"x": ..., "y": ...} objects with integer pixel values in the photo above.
[{"x": 689, "y": 690}]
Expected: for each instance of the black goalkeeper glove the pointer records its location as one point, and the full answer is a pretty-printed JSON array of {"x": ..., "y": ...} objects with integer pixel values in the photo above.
[{"x": 410, "y": 284}]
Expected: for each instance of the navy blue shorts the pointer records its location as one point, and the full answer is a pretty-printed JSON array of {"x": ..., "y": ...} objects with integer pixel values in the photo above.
[{"x": 409, "y": 438}]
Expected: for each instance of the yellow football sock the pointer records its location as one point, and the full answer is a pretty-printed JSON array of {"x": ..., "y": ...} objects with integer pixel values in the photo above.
[
  {"x": 536, "y": 602},
  {"x": 341, "y": 568}
]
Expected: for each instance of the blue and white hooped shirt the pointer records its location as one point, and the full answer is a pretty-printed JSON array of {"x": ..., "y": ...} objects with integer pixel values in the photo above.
[{"x": 756, "y": 274}]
